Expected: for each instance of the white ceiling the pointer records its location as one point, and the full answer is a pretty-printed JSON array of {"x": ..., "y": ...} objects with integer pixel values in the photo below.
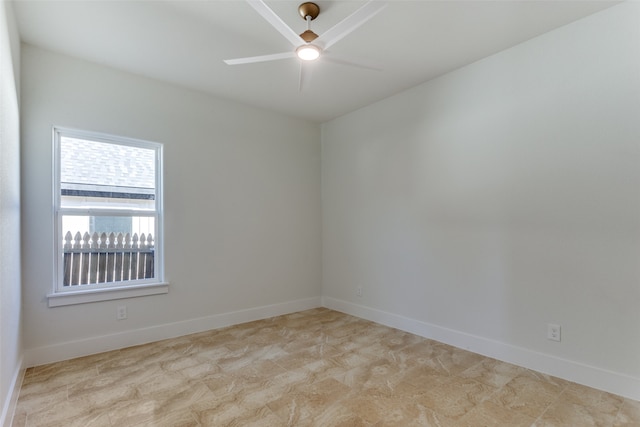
[{"x": 184, "y": 42}]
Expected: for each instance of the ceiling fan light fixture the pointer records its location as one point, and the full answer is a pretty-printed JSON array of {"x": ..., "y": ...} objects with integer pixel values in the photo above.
[{"x": 308, "y": 52}]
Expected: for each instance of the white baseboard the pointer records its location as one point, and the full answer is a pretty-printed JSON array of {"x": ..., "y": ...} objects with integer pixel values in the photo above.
[
  {"x": 9, "y": 406},
  {"x": 72, "y": 349},
  {"x": 591, "y": 376}
]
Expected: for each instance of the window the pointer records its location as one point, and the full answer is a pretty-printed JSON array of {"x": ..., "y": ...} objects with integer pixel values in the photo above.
[{"x": 108, "y": 217}]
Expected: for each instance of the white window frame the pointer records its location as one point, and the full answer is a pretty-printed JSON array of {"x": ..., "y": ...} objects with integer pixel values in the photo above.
[{"x": 67, "y": 295}]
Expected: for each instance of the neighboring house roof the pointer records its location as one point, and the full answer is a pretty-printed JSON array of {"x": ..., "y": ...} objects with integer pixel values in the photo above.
[{"x": 100, "y": 169}]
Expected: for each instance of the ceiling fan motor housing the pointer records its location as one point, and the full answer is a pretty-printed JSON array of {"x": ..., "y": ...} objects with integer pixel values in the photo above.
[{"x": 309, "y": 36}]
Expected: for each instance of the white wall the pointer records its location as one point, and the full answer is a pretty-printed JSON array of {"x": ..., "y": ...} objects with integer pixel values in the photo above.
[
  {"x": 10, "y": 305},
  {"x": 242, "y": 206},
  {"x": 482, "y": 205}
]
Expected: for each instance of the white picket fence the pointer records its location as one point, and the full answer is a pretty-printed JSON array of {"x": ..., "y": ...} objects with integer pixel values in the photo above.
[{"x": 102, "y": 258}]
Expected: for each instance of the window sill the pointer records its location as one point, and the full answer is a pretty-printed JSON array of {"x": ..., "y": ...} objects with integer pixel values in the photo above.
[{"x": 95, "y": 295}]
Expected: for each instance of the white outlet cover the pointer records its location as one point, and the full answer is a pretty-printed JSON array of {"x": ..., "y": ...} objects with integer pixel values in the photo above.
[
  {"x": 553, "y": 332},
  {"x": 121, "y": 312}
]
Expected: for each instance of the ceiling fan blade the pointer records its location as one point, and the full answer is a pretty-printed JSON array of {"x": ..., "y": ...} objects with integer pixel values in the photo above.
[
  {"x": 354, "y": 62},
  {"x": 350, "y": 23},
  {"x": 261, "y": 58},
  {"x": 265, "y": 11},
  {"x": 305, "y": 75}
]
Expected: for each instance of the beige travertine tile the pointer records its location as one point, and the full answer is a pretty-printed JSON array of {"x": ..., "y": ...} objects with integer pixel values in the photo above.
[
  {"x": 133, "y": 375},
  {"x": 456, "y": 397},
  {"x": 134, "y": 357},
  {"x": 60, "y": 373},
  {"x": 584, "y": 406},
  {"x": 397, "y": 340},
  {"x": 336, "y": 416},
  {"x": 40, "y": 396},
  {"x": 306, "y": 401},
  {"x": 307, "y": 356},
  {"x": 135, "y": 412},
  {"x": 19, "y": 419},
  {"x": 629, "y": 414},
  {"x": 314, "y": 368},
  {"x": 493, "y": 372},
  {"x": 431, "y": 418},
  {"x": 67, "y": 413},
  {"x": 587, "y": 396},
  {"x": 372, "y": 374},
  {"x": 163, "y": 407},
  {"x": 421, "y": 351},
  {"x": 200, "y": 371},
  {"x": 450, "y": 360},
  {"x": 383, "y": 409},
  {"x": 180, "y": 418},
  {"x": 489, "y": 413},
  {"x": 103, "y": 398},
  {"x": 162, "y": 382},
  {"x": 180, "y": 362},
  {"x": 529, "y": 393},
  {"x": 233, "y": 414},
  {"x": 426, "y": 377}
]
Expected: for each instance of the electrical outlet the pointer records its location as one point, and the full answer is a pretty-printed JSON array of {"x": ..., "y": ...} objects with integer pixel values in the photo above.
[
  {"x": 359, "y": 291},
  {"x": 121, "y": 312},
  {"x": 553, "y": 332}
]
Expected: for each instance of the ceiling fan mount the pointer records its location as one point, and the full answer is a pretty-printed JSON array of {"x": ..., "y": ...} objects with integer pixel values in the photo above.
[{"x": 309, "y": 9}]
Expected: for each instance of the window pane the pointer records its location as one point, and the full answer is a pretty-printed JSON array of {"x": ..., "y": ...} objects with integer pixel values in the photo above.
[
  {"x": 107, "y": 211},
  {"x": 96, "y": 174},
  {"x": 107, "y": 249}
]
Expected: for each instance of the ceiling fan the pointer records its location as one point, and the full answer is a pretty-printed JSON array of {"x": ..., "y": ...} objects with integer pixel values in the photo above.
[{"x": 308, "y": 46}]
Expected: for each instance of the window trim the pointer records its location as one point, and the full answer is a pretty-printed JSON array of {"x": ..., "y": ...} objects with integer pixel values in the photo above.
[
  {"x": 60, "y": 299},
  {"x": 100, "y": 292}
]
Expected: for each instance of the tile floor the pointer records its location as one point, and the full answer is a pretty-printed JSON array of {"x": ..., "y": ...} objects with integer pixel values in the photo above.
[{"x": 313, "y": 368}]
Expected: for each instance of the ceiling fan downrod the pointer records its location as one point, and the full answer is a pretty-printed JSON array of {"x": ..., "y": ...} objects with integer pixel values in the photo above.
[{"x": 309, "y": 11}]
